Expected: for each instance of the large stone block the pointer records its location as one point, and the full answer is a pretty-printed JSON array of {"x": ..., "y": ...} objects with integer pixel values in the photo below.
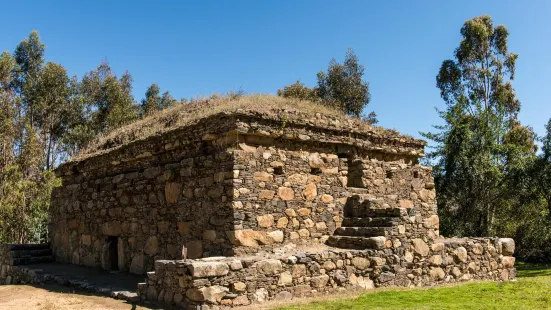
[
  {"x": 247, "y": 237},
  {"x": 172, "y": 192},
  {"x": 461, "y": 254},
  {"x": 420, "y": 247},
  {"x": 269, "y": 266},
  {"x": 286, "y": 193},
  {"x": 208, "y": 269},
  {"x": 212, "y": 294},
  {"x": 151, "y": 246},
  {"x": 507, "y": 246},
  {"x": 310, "y": 192}
]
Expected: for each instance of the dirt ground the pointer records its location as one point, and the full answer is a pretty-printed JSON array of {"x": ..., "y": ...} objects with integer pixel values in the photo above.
[{"x": 52, "y": 297}]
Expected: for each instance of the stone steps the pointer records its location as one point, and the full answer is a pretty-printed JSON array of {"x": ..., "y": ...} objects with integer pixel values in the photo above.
[
  {"x": 384, "y": 221},
  {"x": 31, "y": 253},
  {"x": 32, "y": 260},
  {"x": 357, "y": 243},
  {"x": 363, "y": 231},
  {"x": 367, "y": 211},
  {"x": 37, "y": 246},
  {"x": 25, "y": 254}
]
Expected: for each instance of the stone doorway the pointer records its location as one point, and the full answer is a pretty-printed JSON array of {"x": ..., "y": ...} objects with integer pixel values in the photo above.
[
  {"x": 110, "y": 254},
  {"x": 112, "y": 243}
]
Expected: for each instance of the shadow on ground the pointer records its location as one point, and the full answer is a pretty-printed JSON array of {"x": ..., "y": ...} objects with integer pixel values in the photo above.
[{"x": 527, "y": 270}]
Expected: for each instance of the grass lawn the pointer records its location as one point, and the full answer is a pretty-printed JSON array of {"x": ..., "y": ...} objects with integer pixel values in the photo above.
[{"x": 532, "y": 290}]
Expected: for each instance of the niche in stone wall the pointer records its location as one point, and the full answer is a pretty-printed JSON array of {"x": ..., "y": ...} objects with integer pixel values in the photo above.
[{"x": 355, "y": 172}]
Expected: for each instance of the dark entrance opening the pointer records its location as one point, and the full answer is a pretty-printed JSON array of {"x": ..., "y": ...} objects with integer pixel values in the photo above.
[
  {"x": 113, "y": 252},
  {"x": 355, "y": 172}
]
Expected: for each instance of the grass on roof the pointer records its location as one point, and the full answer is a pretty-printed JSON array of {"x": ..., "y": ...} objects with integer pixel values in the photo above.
[{"x": 186, "y": 114}]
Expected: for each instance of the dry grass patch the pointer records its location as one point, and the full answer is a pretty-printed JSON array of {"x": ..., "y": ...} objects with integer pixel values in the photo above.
[
  {"x": 188, "y": 114},
  {"x": 54, "y": 297}
]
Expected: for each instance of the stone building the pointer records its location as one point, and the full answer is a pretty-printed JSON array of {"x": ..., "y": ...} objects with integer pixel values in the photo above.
[{"x": 289, "y": 202}]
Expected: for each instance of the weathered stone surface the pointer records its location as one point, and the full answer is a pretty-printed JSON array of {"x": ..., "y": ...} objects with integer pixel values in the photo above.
[
  {"x": 286, "y": 193},
  {"x": 194, "y": 249},
  {"x": 406, "y": 204},
  {"x": 265, "y": 221},
  {"x": 276, "y": 236},
  {"x": 360, "y": 262},
  {"x": 263, "y": 176},
  {"x": 151, "y": 246},
  {"x": 208, "y": 269},
  {"x": 282, "y": 222},
  {"x": 213, "y": 294},
  {"x": 386, "y": 277},
  {"x": 112, "y": 228},
  {"x": 508, "y": 261},
  {"x": 432, "y": 222},
  {"x": 315, "y": 161},
  {"x": 420, "y": 247},
  {"x": 209, "y": 235},
  {"x": 239, "y": 287},
  {"x": 507, "y": 246},
  {"x": 172, "y": 192},
  {"x": 249, "y": 237},
  {"x": 183, "y": 228},
  {"x": 461, "y": 254},
  {"x": 304, "y": 211},
  {"x": 319, "y": 281},
  {"x": 310, "y": 192},
  {"x": 269, "y": 266},
  {"x": 260, "y": 295},
  {"x": 285, "y": 279},
  {"x": 436, "y": 260},
  {"x": 437, "y": 273},
  {"x": 266, "y": 194},
  {"x": 137, "y": 265},
  {"x": 297, "y": 179}
]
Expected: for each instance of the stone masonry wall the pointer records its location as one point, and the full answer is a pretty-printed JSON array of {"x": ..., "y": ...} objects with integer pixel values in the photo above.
[
  {"x": 223, "y": 282},
  {"x": 299, "y": 192},
  {"x": 153, "y": 199},
  {"x": 200, "y": 190},
  {"x": 152, "y": 213}
]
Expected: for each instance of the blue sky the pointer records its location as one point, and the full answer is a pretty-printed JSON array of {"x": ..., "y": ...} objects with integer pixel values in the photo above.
[{"x": 200, "y": 47}]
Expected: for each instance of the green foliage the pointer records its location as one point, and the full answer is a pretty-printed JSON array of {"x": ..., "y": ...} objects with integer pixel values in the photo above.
[
  {"x": 478, "y": 146},
  {"x": 109, "y": 98},
  {"x": 299, "y": 91},
  {"x": 153, "y": 102},
  {"x": 488, "y": 177},
  {"x": 46, "y": 117},
  {"x": 341, "y": 87}
]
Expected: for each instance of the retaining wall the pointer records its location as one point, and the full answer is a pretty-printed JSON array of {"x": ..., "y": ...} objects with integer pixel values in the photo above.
[{"x": 227, "y": 282}]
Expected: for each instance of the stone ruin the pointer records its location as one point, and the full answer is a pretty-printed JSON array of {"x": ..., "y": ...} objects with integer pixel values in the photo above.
[{"x": 244, "y": 207}]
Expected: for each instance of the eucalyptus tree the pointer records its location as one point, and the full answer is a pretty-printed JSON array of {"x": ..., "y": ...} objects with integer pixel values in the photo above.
[
  {"x": 472, "y": 151},
  {"x": 152, "y": 101},
  {"x": 343, "y": 84}
]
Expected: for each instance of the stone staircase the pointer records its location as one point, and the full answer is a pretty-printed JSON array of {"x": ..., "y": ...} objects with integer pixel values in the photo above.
[
  {"x": 364, "y": 226},
  {"x": 25, "y": 254}
]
